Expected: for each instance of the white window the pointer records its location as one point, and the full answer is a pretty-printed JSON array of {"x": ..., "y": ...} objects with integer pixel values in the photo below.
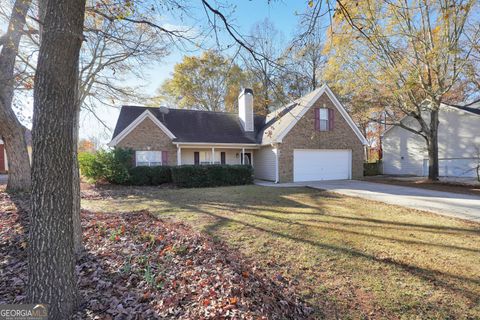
[
  {"x": 148, "y": 158},
  {"x": 323, "y": 118},
  {"x": 206, "y": 157}
]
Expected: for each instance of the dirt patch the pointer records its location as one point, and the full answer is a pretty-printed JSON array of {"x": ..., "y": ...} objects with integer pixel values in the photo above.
[{"x": 136, "y": 266}]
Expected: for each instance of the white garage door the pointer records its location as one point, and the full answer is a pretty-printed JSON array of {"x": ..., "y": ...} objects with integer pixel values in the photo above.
[{"x": 319, "y": 164}]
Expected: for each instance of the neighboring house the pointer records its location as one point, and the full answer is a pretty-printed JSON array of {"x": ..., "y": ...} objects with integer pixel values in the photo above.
[
  {"x": 405, "y": 153},
  {"x": 3, "y": 152},
  {"x": 312, "y": 138}
]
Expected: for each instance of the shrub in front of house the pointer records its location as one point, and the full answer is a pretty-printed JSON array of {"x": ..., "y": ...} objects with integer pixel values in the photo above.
[
  {"x": 161, "y": 175},
  {"x": 372, "y": 168},
  {"x": 116, "y": 167},
  {"x": 150, "y": 176},
  {"x": 88, "y": 165},
  {"x": 140, "y": 176},
  {"x": 111, "y": 166},
  {"x": 190, "y": 176}
]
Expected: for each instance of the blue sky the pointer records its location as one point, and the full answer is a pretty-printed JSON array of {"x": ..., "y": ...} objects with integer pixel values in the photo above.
[
  {"x": 245, "y": 15},
  {"x": 282, "y": 13}
]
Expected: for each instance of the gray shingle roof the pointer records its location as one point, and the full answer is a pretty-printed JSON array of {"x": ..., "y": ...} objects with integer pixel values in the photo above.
[
  {"x": 194, "y": 125},
  {"x": 474, "y": 108},
  {"x": 223, "y": 127}
]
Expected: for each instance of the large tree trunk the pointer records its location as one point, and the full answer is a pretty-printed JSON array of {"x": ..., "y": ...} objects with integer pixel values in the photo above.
[
  {"x": 18, "y": 159},
  {"x": 77, "y": 226},
  {"x": 51, "y": 259},
  {"x": 432, "y": 146},
  {"x": 11, "y": 131}
]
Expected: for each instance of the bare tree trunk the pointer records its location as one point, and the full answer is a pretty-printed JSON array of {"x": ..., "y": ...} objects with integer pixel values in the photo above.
[
  {"x": 11, "y": 130},
  {"x": 51, "y": 259},
  {"x": 266, "y": 96},
  {"x": 314, "y": 75},
  {"x": 18, "y": 159},
  {"x": 432, "y": 145},
  {"x": 77, "y": 225}
]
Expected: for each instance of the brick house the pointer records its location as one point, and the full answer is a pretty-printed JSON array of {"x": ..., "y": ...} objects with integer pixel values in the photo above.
[{"x": 313, "y": 138}]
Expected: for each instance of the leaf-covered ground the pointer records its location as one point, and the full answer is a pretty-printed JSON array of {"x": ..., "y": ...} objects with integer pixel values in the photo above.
[
  {"x": 136, "y": 266},
  {"x": 349, "y": 258}
]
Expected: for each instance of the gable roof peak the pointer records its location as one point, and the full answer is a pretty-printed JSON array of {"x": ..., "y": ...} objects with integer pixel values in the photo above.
[{"x": 279, "y": 124}]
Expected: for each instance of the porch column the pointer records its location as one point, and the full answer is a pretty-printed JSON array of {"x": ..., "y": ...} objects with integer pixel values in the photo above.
[
  {"x": 251, "y": 158},
  {"x": 179, "y": 155},
  {"x": 213, "y": 155},
  {"x": 243, "y": 155}
]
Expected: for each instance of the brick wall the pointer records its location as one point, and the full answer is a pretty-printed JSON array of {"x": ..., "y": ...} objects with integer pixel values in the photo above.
[
  {"x": 304, "y": 136},
  {"x": 148, "y": 134}
]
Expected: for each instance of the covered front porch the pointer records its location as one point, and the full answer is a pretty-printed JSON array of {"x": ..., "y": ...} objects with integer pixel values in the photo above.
[{"x": 203, "y": 154}]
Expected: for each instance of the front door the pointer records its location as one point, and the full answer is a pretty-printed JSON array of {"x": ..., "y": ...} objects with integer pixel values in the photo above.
[
  {"x": 196, "y": 158},
  {"x": 248, "y": 158}
]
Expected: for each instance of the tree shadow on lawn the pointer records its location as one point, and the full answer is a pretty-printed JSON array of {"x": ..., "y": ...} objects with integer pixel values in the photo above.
[
  {"x": 253, "y": 207},
  {"x": 281, "y": 197},
  {"x": 224, "y": 209},
  {"x": 437, "y": 277},
  {"x": 374, "y": 223},
  {"x": 324, "y": 226}
]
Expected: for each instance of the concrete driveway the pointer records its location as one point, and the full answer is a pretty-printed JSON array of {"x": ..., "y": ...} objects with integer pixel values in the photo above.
[{"x": 446, "y": 203}]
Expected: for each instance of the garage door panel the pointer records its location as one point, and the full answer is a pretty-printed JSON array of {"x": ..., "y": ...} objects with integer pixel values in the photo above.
[{"x": 320, "y": 164}]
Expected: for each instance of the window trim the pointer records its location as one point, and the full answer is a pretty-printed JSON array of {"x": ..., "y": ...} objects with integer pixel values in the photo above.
[
  {"x": 149, "y": 163},
  {"x": 326, "y": 121}
]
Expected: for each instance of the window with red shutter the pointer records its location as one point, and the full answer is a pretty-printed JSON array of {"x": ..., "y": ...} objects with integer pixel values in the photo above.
[
  {"x": 317, "y": 119},
  {"x": 323, "y": 116},
  {"x": 148, "y": 158}
]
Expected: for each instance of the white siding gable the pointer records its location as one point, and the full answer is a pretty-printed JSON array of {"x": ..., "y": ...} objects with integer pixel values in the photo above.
[{"x": 265, "y": 163}]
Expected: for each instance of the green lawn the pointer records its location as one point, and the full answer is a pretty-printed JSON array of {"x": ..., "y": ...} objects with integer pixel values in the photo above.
[{"x": 348, "y": 257}]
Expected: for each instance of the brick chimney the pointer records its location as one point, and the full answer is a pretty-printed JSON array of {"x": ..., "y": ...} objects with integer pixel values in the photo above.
[{"x": 245, "y": 109}]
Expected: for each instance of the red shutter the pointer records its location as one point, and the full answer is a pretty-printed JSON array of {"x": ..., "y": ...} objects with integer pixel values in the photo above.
[
  {"x": 331, "y": 119},
  {"x": 317, "y": 119},
  {"x": 164, "y": 158},
  {"x": 134, "y": 159}
]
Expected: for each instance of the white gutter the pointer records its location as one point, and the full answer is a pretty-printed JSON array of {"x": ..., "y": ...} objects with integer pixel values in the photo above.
[{"x": 218, "y": 144}]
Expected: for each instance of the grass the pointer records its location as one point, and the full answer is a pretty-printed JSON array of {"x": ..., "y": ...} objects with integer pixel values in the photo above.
[{"x": 349, "y": 258}]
